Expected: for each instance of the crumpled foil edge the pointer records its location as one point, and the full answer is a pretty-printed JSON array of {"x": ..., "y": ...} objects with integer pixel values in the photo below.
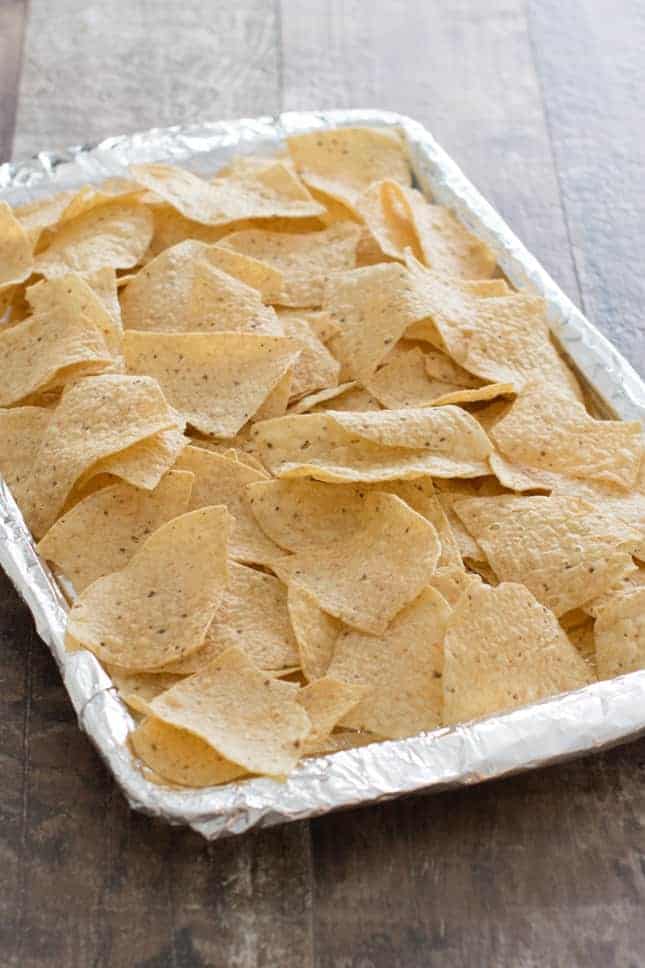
[{"x": 596, "y": 717}]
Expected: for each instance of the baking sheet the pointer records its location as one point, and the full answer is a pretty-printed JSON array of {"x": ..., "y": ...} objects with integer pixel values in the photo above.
[{"x": 601, "y": 715}]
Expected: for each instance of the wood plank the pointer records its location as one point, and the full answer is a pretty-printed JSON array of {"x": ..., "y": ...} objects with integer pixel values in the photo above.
[
  {"x": 589, "y": 56},
  {"x": 92, "y": 883},
  {"x": 461, "y": 68},
  {"x": 94, "y": 70},
  {"x": 12, "y": 19}
]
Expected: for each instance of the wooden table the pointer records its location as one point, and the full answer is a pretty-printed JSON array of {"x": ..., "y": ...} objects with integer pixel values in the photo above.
[{"x": 542, "y": 104}]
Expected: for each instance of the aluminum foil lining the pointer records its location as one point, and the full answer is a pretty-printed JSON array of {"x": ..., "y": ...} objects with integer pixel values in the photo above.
[{"x": 593, "y": 718}]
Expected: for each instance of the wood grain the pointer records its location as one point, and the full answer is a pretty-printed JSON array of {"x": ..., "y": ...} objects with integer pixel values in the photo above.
[
  {"x": 541, "y": 104},
  {"x": 12, "y": 19}
]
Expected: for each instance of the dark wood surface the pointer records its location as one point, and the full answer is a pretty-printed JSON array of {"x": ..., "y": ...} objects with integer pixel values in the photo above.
[{"x": 542, "y": 104}]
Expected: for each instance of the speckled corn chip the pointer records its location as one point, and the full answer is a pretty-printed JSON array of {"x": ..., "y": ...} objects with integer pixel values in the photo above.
[
  {"x": 159, "y": 606},
  {"x": 619, "y": 635},
  {"x": 503, "y": 649},
  {"x": 402, "y": 668},
  {"x": 179, "y": 756},
  {"x": 315, "y": 631},
  {"x": 21, "y": 432},
  {"x": 326, "y": 702}
]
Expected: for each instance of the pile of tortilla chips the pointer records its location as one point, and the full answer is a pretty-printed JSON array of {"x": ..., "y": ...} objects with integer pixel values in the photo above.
[{"x": 315, "y": 474}]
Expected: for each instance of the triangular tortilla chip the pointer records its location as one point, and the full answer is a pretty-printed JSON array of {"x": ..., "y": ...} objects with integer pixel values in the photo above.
[
  {"x": 326, "y": 702},
  {"x": 345, "y": 396},
  {"x": 564, "y": 550},
  {"x": 548, "y": 430},
  {"x": 264, "y": 194},
  {"x": 220, "y": 480},
  {"x": 503, "y": 649},
  {"x": 619, "y": 635},
  {"x": 402, "y": 668},
  {"x": 179, "y": 756},
  {"x": 97, "y": 417},
  {"x": 16, "y": 259},
  {"x": 381, "y": 446},
  {"x": 183, "y": 290},
  {"x": 253, "y": 617},
  {"x": 315, "y": 631},
  {"x": 246, "y": 716},
  {"x": 159, "y": 606},
  {"x": 101, "y": 533},
  {"x": 304, "y": 260},
  {"x": 342, "y": 162},
  {"x": 143, "y": 464},
  {"x": 21, "y": 432},
  {"x": 380, "y": 567},
  {"x": 315, "y": 367},
  {"x": 216, "y": 381},
  {"x": 113, "y": 236}
]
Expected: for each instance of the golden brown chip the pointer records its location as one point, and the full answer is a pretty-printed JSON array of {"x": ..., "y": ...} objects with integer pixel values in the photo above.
[
  {"x": 220, "y": 480},
  {"x": 262, "y": 194},
  {"x": 100, "y": 534},
  {"x": 113, "y": 236},
  {"x": 342, "y": 162},
  {"x": 548, "y": 430},
  {"x": 620, "y": 635},
  {"x": 326, "y": 702},
  {"x": 564, "y": 550},
  {"x": 216, "y": 381},
  {"x": 380, "y": 567},
  {"x": 158, "y": 608},
  {"x": 245, "y": 715},
  {"x": 315, "y": 631},
  {"x": 502, "y": 650},
  {"x": 21, "y": 432},
  {"x": 253, "y": 617},
  {"x": 16, "y": 259},
  {"x": 402, "y": 667},
  {"x": 97, "y": 417},
  {"x": 304, "y": 260},
  {"x": 179, "y": 756},
  {"x": 380, "y": 446},
  {"x": 184, "y": 290}
]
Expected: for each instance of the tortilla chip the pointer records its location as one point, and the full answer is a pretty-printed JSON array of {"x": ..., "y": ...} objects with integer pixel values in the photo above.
[
  {"x": 315, "y": 631},
  {"x": 265, "y": 194},
  {"x": 183, "y": 290},
  {"x": 101, "y": 533},
  {"x": 179, "y": 756},
  {"x": 628, "y": 506},
  {"x": 326, "y": 702},
  {"x": 502, "y": 340},
  {"x": 21, "y": 432},
  {"x": 447, "y": 493},
  {"x": 216, "y": 381},
  {"x": 16, "y": 258},
  {"x": 93, "y": 196},
  {"x": 97, "y": 417},
  {"x": 624, "y": 586},
  {"x": 342, "y": 162},
  {"x": 564, "y": 550},
  {"x": 619, "y": 635},
  {"x": 315, "y": 368},
  {"x": 378, "y": 569},
  {"x": 103, "y": 283},
  {"x": 252, "y": 617},
  {"x": 548, "y": 430},
  {"x": 387, "y": 445},
  {"x": 220, "y": 480},
  {"x": 136, "y": 689},
  {"x": 502, "y": 650},
  {"x": 143, "y": 464},
  {"x": 402, "y": 668},
  {"x": 322, "y": 325},
  {"x": 267, "y": 280},
  {"x": 583, "y": 641},
  {"x": 113, "y": 236},
  {"x": 275, "y": 404},
  {"x": 345, "y": 396},
  {"x": 246, "y": 716},
  {"x": 402, "y": 381},
  {"x": 42, "y": 213},
  {"x": 304, "y": 260},
  {"x": 158, "y": 608}
]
